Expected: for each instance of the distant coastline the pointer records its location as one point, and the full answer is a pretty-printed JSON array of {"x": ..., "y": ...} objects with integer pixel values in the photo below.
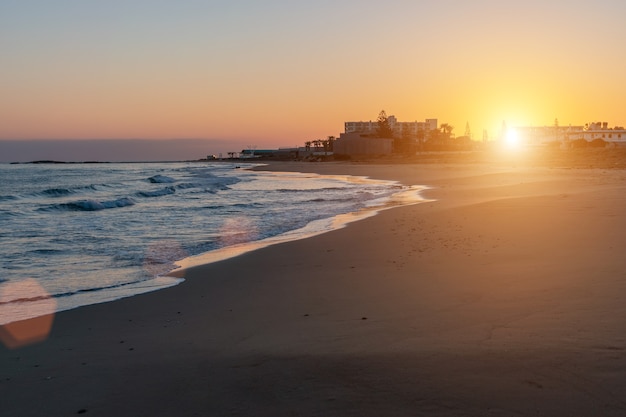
[
  {"x": 54, "y": 162},
  {"x": 610, "y": 157},
  {"x": 45, "y": 161},
  {"x": 114, "y": 150}
]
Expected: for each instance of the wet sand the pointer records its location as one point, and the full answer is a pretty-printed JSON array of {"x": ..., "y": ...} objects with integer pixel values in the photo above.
[{"x": 504, "y": 296}]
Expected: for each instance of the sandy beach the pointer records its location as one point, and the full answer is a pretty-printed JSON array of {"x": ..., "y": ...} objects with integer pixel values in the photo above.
[{"x": 504, "y": 296}]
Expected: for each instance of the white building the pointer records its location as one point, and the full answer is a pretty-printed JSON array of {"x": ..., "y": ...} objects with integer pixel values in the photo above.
[
  {"x": 539, "y": 135},
  {"x": 597, "y": 130}
]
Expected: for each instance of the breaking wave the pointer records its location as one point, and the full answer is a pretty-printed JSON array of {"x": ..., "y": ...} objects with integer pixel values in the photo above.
[
  {"x": 161, "y": 179},
  {"x": 91, "y": 205},
  {"x": 157, "y": 193}
]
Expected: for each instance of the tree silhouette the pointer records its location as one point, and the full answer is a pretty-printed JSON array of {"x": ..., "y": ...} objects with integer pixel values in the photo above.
[
  {"x": 446, "y": 134},
  {"x": 384, "y": 129},
  {"x": 434, "y": 141},
  {"x": 421, "y": 137},
  {"x": 405, "y": 144},
  {"x": 447, "y": 129}
]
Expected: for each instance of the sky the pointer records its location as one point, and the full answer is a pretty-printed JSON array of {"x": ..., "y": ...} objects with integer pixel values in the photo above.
[{"x": 277, "y": 73}]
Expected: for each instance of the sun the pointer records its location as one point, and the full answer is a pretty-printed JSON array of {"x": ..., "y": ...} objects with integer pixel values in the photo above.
[{"x": 512, "y": 139}]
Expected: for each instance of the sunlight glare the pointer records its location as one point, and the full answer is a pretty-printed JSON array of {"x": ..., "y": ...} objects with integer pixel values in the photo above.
[{"x": 512, "y": 139}]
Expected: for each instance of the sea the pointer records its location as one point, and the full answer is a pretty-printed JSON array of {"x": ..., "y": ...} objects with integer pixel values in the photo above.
[{"x": 79, "y": 234}]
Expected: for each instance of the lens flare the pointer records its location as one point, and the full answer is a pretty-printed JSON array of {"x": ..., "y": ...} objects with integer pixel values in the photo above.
[
  {"x": 238, "y": 230},
  {"x": 27, "y": 311}
]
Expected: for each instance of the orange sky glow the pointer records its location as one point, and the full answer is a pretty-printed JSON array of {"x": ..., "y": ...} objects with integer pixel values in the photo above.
[{"x": 279, "y": 73}]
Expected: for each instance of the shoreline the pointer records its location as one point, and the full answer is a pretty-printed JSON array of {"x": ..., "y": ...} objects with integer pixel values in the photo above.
[
  {"x": 502, "y": 297},
  {"x": 409, "y": 196},
  {"x": 14, "y": 312}
]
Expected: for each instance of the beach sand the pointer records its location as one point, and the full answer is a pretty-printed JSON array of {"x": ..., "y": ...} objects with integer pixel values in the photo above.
[{"x": 503, "y": 297}]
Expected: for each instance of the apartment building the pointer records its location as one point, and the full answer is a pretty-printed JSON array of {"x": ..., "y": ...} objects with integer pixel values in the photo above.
[{"x": 399, "y": 128}]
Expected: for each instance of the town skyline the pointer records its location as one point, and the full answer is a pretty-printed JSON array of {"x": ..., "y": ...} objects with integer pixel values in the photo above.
[{"x": 280, "y": 73}]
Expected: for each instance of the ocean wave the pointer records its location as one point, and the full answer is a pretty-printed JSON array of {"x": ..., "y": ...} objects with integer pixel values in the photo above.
[
  {"x": 27, "y": 299},
  {"x": 206, "y": 188},
  {"x": 7, "y": 213},
  {"x": 203, "y": 186},
  {"x": 247, "y": 205},
  {"x": 91, "y": 205},
  {"x": 24, "y": 299},
  {"x": 215, "y": 180},
  {"x": 157, "y": 193},
  {"x": 46, "y": 251},
  {"x": 213, "y": 207},
  {"x": 311, "y": 191},
  {"x": 8, "y": 198},
  {"x": 237, "y": 207},
  {"x": 161, "y": 179},
  {"x": 186, "y": 185},
  {"x": 127, "y": 259},
  {"x": 339, "y": 199},
  {"x": 63, "y": 192},
  {"x": 220, "y": 187},
  {"x": 57, "y": 192}
]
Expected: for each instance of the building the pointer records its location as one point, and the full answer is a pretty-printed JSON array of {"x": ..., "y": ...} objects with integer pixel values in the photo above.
[
  {"x": 361, "y": 138},
  {"x": 596, "y": 130},
  {"x": 399, "y": 128},
  {"x": 362, "y": 144},
  {"x": 540, "y": 135},
  {"x": 281, "y": 153}
]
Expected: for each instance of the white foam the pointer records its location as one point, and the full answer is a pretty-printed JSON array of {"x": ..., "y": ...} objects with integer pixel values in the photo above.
[{"x": 408, "y": 196}]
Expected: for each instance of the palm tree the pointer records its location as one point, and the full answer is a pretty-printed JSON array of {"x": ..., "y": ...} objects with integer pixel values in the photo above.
[
  {"x": 446, "y": 130},
  {"x": 324, "y": 143}
]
